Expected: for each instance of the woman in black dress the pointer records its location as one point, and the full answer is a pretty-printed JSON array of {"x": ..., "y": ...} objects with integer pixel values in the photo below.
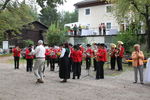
[{"x": 64, "y": 70}]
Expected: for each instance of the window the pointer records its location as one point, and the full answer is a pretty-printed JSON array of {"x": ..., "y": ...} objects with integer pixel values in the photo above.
[
  {"x": 108, "y": 9},
  {"x": 87, "y": 11},
  {"x": 108, "y": 26}
]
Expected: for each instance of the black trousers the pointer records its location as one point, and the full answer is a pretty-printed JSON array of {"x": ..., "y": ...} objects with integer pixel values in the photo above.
[
  {"x": 88, "y": 62},
  {"x": 75, "y": 32},
  {"x": 29, "y": 65},
  {"x": 100, "y": 70},
  {"x": 16, "y": 62},
  {"x": 94, "y": 62},
  {"x": 76, "y": 69},
  {"x": 48, "y": 60},
  {"x": 119, "y": 63},
  {"x": 100, "y": 33},
  {"x": 52, "y": 62},
  {"x": 71, "y": 64},
  {"x": 113, "y": 63}
]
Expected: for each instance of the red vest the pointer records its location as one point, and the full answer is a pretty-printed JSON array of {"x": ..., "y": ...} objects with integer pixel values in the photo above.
[
  {"x": 53, "y": 54},
  {"x": 27, "y": 54},
  {"x": 89, "y": 53},
  {"x": 77, "y": 56},
  {"x": 113, "y": 52},
  {"x": 121, "y": 53},
  {"x": 101, "y": 55},
  {"x": 71, "y": 55},
  {"x": 16, "y": 53},
  {"x": 47, "y": 53}
]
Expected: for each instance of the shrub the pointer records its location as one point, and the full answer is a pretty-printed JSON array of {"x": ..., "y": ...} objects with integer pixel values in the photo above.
[
  {"x": 129, "y": 39},
  {"x": 55, "y": 35},
  {"x": 27, "y": 42}
]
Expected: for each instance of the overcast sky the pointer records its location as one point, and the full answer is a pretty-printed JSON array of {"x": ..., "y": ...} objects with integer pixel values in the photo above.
[{"x": 68, "y": 6}]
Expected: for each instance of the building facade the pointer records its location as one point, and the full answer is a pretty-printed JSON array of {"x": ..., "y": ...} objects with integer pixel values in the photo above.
[{"x": 92, "y": 13}]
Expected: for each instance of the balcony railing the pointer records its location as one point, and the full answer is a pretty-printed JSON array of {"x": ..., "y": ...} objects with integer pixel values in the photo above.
[{"x": 93, "y": 31}]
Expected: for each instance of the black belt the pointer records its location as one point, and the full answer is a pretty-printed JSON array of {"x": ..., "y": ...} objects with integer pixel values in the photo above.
[{"x": 40, "y": 57}]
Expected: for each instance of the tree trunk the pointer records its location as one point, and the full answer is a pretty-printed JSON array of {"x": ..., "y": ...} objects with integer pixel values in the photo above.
[
  {"x": 147, "y": 27},
  {"x": 5, "y": 4},
  {"x": 148, "y": 34}
]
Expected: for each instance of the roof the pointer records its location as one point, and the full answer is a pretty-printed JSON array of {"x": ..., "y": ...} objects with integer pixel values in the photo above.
[
  {"x": 89, "y": 3},
  {"x": 37, "y": 22}
]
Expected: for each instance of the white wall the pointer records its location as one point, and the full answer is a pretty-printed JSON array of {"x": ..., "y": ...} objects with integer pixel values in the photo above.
[
  {"x": 99, "y": 39},
  {"x": 88, "y": 39},
  {"x": 71, "y": 40},
  {"x": 98, "y": 15}
]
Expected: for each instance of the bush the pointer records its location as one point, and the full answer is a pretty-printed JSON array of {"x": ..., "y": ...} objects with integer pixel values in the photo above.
[
  {"x": 55, "y": 36},
  {"x": 27, "y": 42},
  {"x": 129, "y": 39}
]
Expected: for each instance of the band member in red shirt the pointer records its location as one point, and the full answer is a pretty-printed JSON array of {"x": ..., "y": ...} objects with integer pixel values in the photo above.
[
  {"x": 101, "y": 57},
  {"x": 94, "y": 55},
  {"x": 16, "y": 53},
  {"x": 112, "y": 54},
  {"x": 47, "y": 54},
  {"x": 89, "y": 54},
  {"x": 119, "y": 55},
  {"x": 53, "y": 58},
  {"x": 77, "y": 58},
  {"x": 29, "y": 58},
  {"x": 71, "y": 57}
]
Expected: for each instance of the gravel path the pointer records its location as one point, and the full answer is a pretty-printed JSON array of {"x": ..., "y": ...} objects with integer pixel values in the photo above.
[{"x": 20, "y": 85}]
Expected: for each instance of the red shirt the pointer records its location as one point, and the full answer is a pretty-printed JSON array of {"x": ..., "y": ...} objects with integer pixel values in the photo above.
[
  {"x": 89, "y": 53},
  {"x": 121, "y": 53},
  {"x": 101, "y": 55},
  {"x": 47, "y": 53},
  {"x": 72, "y": 50},
  {"x": 82, "y": 49},
  {"x": 113, "y": 52},
  {"x": 27, "y": 54},
  {"x": 77, "y": 56},
  {"x": 53, "y": 54},
  {"x": 16, "y": 53}
]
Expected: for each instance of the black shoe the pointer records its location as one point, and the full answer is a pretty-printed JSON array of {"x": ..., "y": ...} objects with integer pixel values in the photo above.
[
  {"x": 134, "y": 82},
  {"x": 102, "y": 78},
  {"x": 73, "y": 77},
  {"x": 39, "y": 81},
  {"x": 64, "y": 81},
  {"x": 78, "y": 77},
  {"x": 142, "y": 83}
]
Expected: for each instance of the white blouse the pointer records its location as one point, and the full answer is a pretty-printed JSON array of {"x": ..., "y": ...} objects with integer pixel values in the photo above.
[{"x": 63, "y": 53}]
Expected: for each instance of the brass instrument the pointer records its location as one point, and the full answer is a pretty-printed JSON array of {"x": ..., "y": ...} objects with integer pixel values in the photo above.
[{"x": 117, "y": 52}]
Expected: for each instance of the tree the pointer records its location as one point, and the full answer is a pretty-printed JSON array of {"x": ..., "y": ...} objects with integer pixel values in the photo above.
[
  {"x": 68, "y": 17},
  {"x": 129, "y": 38},
  {"x": 14, "y": 17},
  {"x": 48, "y": 15},
  {"x": 27, "y": 42},
  {"x": 42, "y": 3},
  {"x": 136, "y": 10},
  {"x": 55, "y": 36},
  {"x": 3, "y": 6},
  {"x": 51, "y": 3}
]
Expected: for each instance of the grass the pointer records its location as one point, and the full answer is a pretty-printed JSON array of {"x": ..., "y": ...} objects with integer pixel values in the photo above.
[
  {"x": 6, "y": 55},
  {"x": 11, "y": 61}
]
